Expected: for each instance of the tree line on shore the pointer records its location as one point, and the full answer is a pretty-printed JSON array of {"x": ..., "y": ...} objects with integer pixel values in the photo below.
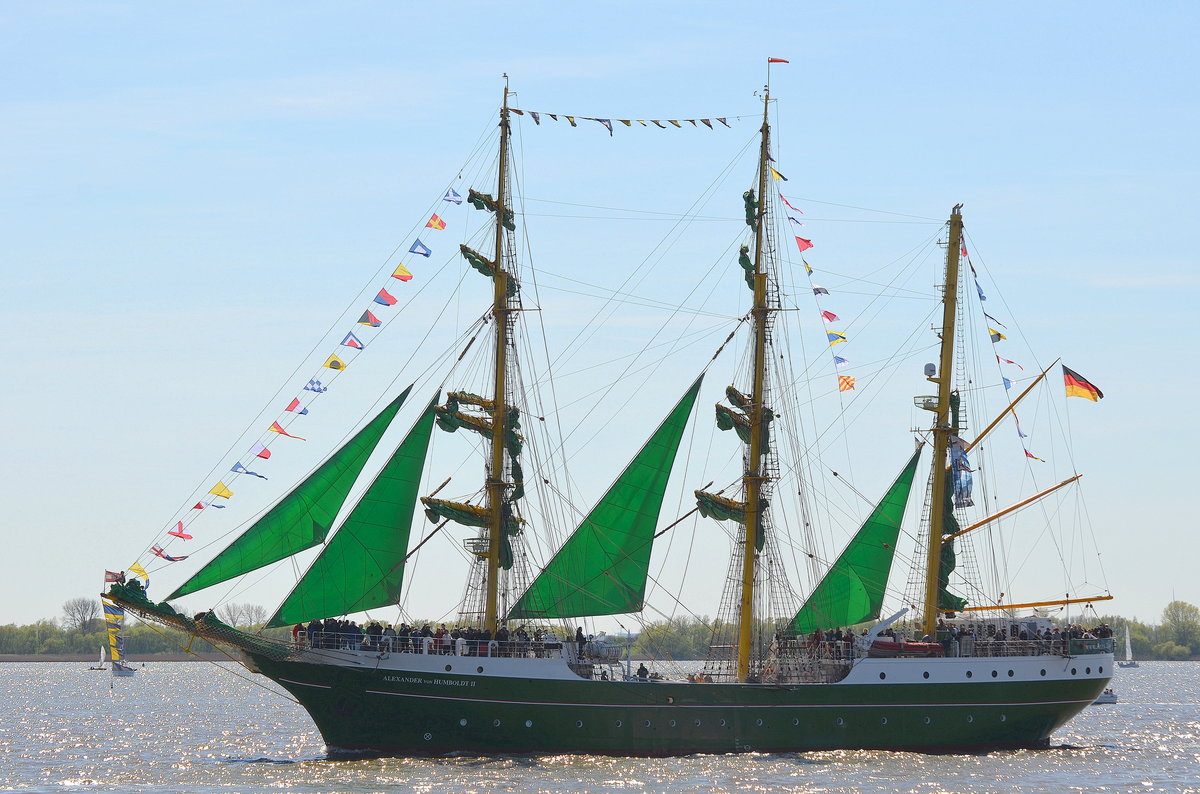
[{"x": 81, "y": 631}]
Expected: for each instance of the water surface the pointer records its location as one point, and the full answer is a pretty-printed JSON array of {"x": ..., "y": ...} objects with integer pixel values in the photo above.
[{"x": 200, "y": 727}]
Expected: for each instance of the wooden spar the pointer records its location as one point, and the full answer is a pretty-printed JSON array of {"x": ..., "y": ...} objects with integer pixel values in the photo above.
[
  {"x": 1031, "y": 604},
  {"x": 1011, "y": 406},
  {"x": 753, "y": 479},
  {"x": 1010, "y": 508},
  {"x": 495, "y": 480},
  {"x": 941, "y": 425}
]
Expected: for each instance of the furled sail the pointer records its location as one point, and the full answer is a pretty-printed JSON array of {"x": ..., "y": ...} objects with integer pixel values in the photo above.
[
  {"x": 362, "y": 567},
  {"x": 852, "y": 591},
  {"x": 114, "y": 617},
  {"x": 603, "y": 566},
  {"x": 303, "y": 518}
]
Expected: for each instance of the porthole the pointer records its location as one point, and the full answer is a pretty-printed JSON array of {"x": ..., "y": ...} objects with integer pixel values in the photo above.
[
  {"x": 646, "y": 723},
  {"x": 670, "y": 700},
  {"x": 841, "y": 721},
  {"x": 479, "y": 669},
  {"x": 428, "y": 736},
  {"x": 1004, "y": 718},
  {"x": 795, "y": 721},
  {"x": 463, "y": 722},
  {"x": 448, "y": 668},
  {"x": 528, "y": 723},
  {"x": 882, "y": 676},
  {"x": 1073, "y": 671},
  {"x": 723, "y": 723},
  {"x": 495, "y": 723},
  {"x": 970, "y": 718},
  {"x": 928, "y": 720},
  {"x": 697, "y": 723},
  {"x": 995, "y": 673},
  {"x": 1100, "y": 670},
  {"x": 925, "y": 674},
  {"x": 969, "y": 674},
  {"x": 1088, "y": 670},
  {"x": 1010, "y": 673},
  {"x": 1043, "y": 672},
  {"x": 578, "y": 723},
  {"x": 618, "y": 723},
  {"x": 883, "y": 720},
  {"x": 758, "y": 723},
  {"x": 673, "y": 723}
]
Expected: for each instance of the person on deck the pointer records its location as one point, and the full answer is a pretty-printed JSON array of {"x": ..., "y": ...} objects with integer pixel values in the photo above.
[
  {"x": 580, "y": 641},
  {"x": 642, "y": 673}
]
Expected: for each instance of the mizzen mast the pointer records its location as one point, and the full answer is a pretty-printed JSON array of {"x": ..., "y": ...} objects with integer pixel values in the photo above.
[{"x": 942, "y": 426}]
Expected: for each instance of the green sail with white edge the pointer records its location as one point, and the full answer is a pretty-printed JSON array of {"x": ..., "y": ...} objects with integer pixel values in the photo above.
[
  {"x": 303, "y": 518},
  {"x": 603, "y": 567},
  {"x": 362, "y": 566},
  {"x": 852, "y": 591}
]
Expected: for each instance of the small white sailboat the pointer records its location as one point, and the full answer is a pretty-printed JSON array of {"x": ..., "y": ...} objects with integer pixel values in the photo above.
[
  {"x": 1129, "y": 661},
  {"x": 100, "y": 663}
]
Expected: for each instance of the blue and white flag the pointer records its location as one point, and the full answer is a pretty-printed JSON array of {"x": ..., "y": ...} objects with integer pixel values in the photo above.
[
  {"x": 315, "y": 385},
  {"x": 1007, "y": 383},
  {"x": 841, "y": 362},
  {"x": 420, "y": 248},
  {"x": 979, "y": 289},
  {"x": 452, "y": 196},
  {"x": 793, "y": 220},
  {"x": 238, "y": 468}
]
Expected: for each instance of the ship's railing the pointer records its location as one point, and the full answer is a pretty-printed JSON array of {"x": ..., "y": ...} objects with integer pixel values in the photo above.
[
  {"x": 433, "y": 646},
  {"x": 964, "y": 646}
]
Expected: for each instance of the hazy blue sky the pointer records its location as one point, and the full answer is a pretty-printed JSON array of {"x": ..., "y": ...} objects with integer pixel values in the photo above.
[{"x": 192, "y": 193}]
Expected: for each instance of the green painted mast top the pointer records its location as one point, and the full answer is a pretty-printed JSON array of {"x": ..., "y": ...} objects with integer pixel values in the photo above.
[
  {"x": 753, "y": 479},
  {"x": 500, "y": 314},
  {"x": 942, "y": 425}
]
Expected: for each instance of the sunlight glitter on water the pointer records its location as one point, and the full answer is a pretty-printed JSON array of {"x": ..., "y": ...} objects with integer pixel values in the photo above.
[{"x": 190, "y": 727}]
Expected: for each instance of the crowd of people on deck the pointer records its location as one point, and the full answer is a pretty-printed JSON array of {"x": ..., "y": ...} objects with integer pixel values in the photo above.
[{"x": 336, "y": 634}]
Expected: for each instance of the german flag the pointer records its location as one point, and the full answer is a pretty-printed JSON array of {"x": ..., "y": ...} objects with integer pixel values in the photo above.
[{"x": 1079, "y": 386}]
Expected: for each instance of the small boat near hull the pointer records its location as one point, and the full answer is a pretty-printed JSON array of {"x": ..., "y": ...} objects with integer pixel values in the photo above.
[{"x": 1107, "y": 696}]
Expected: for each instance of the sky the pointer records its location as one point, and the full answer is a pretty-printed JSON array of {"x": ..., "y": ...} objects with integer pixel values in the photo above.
[{"x": 193, "y": 196}]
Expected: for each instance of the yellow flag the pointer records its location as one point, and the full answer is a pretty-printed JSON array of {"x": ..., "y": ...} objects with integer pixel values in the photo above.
[
  {"x": 333, "y": 362},
  {"x": 776, "y": 175},
  {"x": 139, "y": 570},
  {"x": 221, "y": 490}
]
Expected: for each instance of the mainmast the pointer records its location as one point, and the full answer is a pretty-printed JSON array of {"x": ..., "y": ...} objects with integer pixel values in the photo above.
[
  {"x": 942, "y": 428},
  {"x": 500, "y": 315},
  {"x": 753, "y": 479}
]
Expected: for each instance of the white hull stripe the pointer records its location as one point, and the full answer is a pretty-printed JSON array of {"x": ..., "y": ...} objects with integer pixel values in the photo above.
[
  {"x": 305, "y": 683},
  {"x": 731, "y": 705}
]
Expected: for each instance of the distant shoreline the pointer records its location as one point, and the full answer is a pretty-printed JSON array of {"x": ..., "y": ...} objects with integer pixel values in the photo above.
[{"x": 137, "y": 660}]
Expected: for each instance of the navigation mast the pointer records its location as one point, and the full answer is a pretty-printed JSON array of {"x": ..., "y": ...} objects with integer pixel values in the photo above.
[{"x": 942, "y": 429}]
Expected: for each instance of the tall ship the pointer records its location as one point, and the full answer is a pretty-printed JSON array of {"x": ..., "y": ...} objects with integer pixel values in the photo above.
[{"x": 801, "y": 653}]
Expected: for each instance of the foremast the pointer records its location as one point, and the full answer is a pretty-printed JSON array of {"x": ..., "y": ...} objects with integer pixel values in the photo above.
[
  {"x": 500, "y": 313},
  {"x": 943, "y": 428},
  {"x": 494, "y": 417},
  {"x": 754, "y": 479}
]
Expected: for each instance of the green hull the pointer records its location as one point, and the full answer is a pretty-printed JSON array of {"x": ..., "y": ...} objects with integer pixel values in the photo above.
[{"x": 418, "y": 713}]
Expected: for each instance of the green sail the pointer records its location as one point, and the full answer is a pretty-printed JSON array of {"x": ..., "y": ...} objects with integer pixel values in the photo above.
[
  {"x": 303, "y": 518},
  {"x": 852, "y": 591},
  {"x": 603, "y": 566},
  {"x": 362, "y": 567}
]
